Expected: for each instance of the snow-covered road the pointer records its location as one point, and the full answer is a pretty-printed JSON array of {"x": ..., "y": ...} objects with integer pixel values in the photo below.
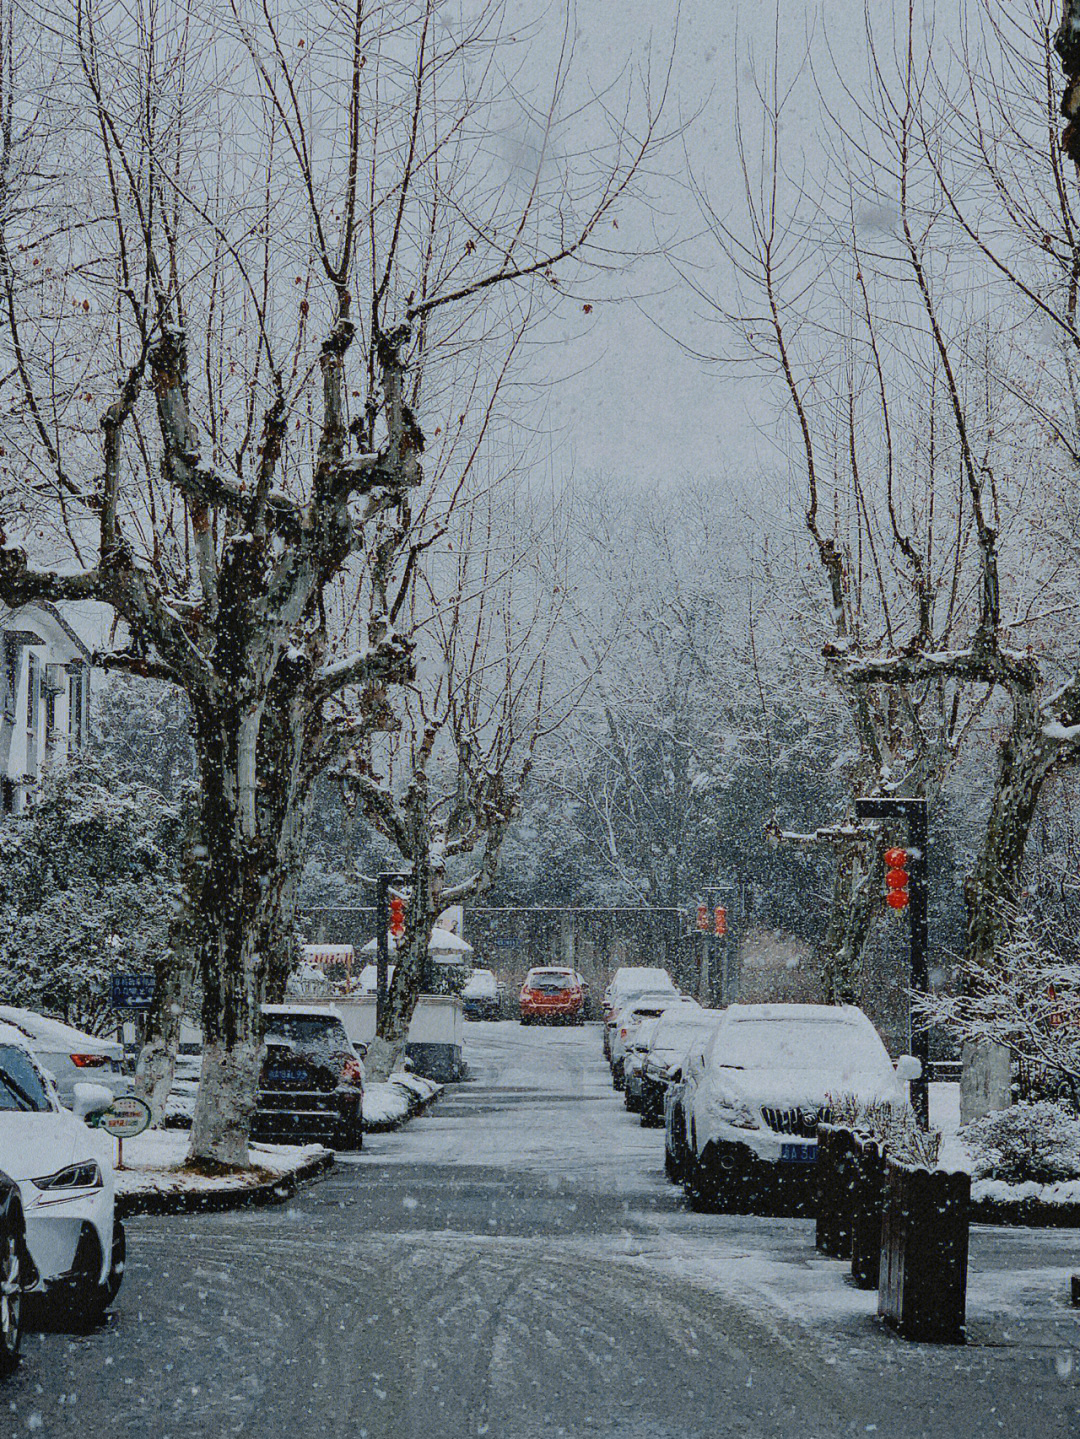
[{"x": 514, "y": 1265}]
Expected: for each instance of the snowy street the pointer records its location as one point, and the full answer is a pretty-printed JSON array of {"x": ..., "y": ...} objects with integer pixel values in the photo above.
[{"x": 514, "y": 1264}]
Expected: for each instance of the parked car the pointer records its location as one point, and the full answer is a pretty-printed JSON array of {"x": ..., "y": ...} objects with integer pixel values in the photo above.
[
  {"x": 552, "y": 993},
  {"x": 14, "y": 1266},
  {"x": 75, "y": 1245},
  {"x": 669, "y": 1041},
  {"x": 311, "y": 1087},
  {"x": 626, "y": 1023},
  {"x": 68, "y": 1054},
  {"x": 480, "y": 995},
  {"x": 754, "y": 1096},
  {"x": 626, "y": 983},
  {"x": 634, "y": 1063}
]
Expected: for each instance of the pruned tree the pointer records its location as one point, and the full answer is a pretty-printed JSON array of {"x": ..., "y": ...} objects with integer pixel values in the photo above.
[
  {"x": 443, "y": 780},
  {"x": 221, "y": 351}
]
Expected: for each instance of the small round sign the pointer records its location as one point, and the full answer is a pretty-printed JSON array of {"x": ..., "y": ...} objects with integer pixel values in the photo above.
[{"x": 126, "y": 1117}]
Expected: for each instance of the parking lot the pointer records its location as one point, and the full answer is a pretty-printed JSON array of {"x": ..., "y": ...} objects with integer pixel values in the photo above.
[{"x": 514, "y": 1264}]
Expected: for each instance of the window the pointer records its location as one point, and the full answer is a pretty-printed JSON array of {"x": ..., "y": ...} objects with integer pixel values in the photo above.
[
  {"x": 11, "y": 676},
  {"x": 33, "y": 687},
  {"x": 75, "y": 708},
  {"x": 21, "y": 1086}
]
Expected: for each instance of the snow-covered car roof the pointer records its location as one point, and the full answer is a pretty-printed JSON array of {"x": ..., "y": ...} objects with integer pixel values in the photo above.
[
  {"x": 638, "y": 1004},
  {"x": 15, "y": 1037},
  {"x": 53, "y": 1032},
  {"x": 309, "y": 1011},
  {"x": 633, "y": 979},
  {"x": 481, "y": 984},
  {"x": 552, "y": 969}
]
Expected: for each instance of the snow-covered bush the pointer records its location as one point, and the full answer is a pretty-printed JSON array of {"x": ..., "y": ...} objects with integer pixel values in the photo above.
[
  {"x": 88, "y": 885},
  {"x": 1040, "y": 1142}
]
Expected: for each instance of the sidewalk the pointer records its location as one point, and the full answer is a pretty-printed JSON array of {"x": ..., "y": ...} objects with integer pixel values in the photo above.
[{"x": 153, "y": 1180}]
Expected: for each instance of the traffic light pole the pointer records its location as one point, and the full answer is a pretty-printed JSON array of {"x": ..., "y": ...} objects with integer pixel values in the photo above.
[
  {"x": 914, "y": 813},
  {"x": 382, "y": 937}
]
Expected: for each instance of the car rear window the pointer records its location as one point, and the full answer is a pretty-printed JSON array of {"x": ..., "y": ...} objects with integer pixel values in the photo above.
[
  {"x": 548, "y": 979},
  {"x": 308, "y": 1031},
  {"x": 21, "y": 1087}
]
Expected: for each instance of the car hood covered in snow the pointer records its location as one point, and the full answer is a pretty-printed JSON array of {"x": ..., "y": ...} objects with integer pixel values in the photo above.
[{"x": 35, "y": 1144}]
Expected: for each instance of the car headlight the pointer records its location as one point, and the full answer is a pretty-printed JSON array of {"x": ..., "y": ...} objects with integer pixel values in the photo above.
[
  {"x": 739, "y": 1115},
  {"x": 86, "y": 1175}
]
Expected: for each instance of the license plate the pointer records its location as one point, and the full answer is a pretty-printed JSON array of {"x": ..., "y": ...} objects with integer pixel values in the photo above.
[
  {"x": 286, "y": 1076},
  {"x": 799, "y": 1153}
]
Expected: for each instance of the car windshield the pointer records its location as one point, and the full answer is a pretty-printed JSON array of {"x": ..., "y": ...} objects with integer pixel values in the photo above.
[
  {"x": 793, "y": 1044},
  {"x": 21, "y": 1086}
]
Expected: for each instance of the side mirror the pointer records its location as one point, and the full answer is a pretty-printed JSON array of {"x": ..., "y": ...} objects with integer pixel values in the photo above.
[
  {"x": 91, "y": 1100},
  {"x": 908, "y": 1068},
  {"x": 361, "y": 1050}
]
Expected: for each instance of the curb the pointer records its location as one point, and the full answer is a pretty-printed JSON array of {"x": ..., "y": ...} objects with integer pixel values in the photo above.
[
  {"x": 1025, "y": 1213},
  {"x": 217, "y": 1201},
  {"x": 416, "y": 1106}
]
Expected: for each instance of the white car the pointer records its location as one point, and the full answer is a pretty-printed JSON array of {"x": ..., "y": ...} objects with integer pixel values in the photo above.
[
  {"x": 480, "y": 995},
  {"x": 64, "y": 1171},
  {"x": 627, "y": 983},
  {"x": 662, "y": 1053},
  {"x": 754, "y": 1095},
  {"x": 628, "y": 1021},
  {"x": 70, "y": 1055}
]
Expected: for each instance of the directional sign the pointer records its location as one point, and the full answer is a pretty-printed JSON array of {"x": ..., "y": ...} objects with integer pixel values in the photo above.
[
  {"x": 131, "y": 991},
  {"x": 125, "y": 1117}
]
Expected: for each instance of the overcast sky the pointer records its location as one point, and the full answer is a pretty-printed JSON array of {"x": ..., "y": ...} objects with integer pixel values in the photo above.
[{"x": 639, "y": 406}]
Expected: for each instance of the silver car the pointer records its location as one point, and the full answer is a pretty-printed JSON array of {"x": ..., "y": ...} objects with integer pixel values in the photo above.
[{"x": 70, "y": 1056}]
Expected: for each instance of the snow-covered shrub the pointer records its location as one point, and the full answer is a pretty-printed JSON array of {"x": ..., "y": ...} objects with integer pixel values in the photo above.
[
  {"x": 88, "y": 886},
  {"x": 1040, "y": 1142}
]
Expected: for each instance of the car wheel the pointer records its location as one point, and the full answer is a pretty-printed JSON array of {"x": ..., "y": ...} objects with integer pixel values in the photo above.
[
  {"x": 633, "y": 1104},
  {"x": 10, "y": 1303},
  {"x": 672, "y": 1168},
  {"x": 618, "y": 1079}
]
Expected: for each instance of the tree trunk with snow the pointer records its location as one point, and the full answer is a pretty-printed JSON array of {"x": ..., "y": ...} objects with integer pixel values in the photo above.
[{"x": 174, "y": 973}]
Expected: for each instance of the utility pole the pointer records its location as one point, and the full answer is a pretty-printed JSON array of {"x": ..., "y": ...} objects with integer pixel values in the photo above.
[{"x": 914, "y": 813}]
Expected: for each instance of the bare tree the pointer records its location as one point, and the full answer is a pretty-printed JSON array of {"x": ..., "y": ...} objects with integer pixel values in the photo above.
[{"x": 257, "y": 321}]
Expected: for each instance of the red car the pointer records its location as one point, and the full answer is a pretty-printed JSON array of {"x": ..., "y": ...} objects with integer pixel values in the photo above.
[{"x": 553, "y": 994}]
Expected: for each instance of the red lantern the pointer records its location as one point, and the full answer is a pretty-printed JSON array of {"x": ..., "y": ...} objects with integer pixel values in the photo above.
[
  {"x": 703, "y": 918},
  {"x": 896, "y": 879},
  {"x": 397, "y": 916},
  {"x": 720, "y": 917}
]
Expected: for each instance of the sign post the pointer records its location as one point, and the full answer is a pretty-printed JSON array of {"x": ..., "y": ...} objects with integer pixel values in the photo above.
[
  {"x": 124, "y": 1119},
  {"x": 914, "y": 813}
]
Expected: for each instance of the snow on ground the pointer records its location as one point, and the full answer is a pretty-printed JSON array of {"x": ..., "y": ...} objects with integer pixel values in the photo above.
[
  {"x": 393, "y": 1101},
  {"x": 555, "y": 1115},
  {"x": 152, "y": 1164}
]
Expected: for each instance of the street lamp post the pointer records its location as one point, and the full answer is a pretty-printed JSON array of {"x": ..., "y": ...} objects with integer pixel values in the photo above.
[{"x": 914, "y": 813}]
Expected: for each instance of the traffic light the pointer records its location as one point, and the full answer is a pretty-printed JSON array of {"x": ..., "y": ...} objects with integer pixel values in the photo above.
[
  {"x": 703, "y": 918},
  {"x": 720, "y": 918},
  {"x": 397, "y": 916},
  {"x": 896, "y": 879}
]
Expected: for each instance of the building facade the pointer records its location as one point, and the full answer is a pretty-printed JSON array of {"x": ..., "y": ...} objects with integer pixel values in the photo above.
[{"x": 44, "y": 698}]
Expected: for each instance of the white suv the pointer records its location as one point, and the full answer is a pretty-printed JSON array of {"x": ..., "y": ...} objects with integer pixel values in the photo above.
[{"x": 753, "y": 1097}]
